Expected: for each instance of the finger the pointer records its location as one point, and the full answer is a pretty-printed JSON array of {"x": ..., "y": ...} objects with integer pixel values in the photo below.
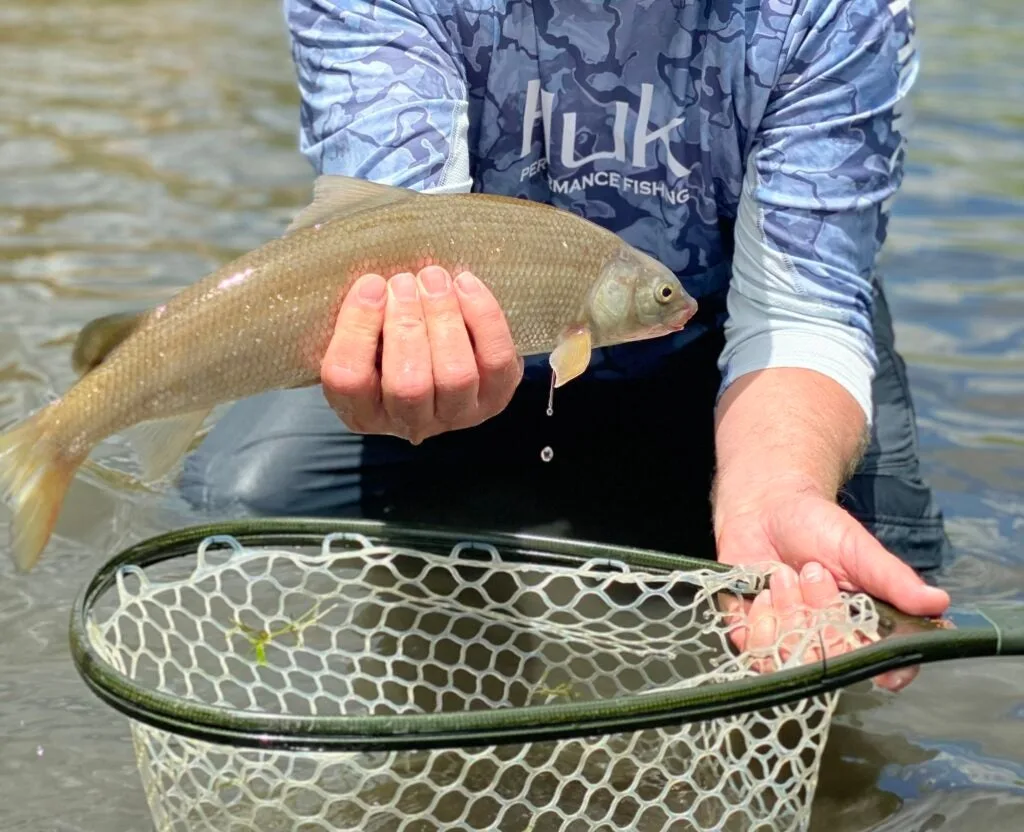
[
  {"x": 821, "y": 592},
  {"x": 818, "y": 587},
  {"x": 456, "y": 378},
  {"x": 788, "y": 603},
  {"x": 407, "y": 380},
  {"x": 896, "y": 680},
  {"x": 735, "y": 610},
  {"x": 762, "y": 628},
  {"x": 861, "y": 563},
  {"x": 499, "y": 364},
  {"x": 742, "y": 545},
  {"x": 348, "y": 370},
  {"x": 881, "y": 574}
]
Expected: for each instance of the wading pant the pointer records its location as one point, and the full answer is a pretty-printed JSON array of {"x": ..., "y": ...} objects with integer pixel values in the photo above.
[{"x": 632, "y": 463}]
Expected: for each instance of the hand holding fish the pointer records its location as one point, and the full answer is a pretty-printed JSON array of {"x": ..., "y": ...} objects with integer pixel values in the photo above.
[
  {"x": 544, "y": 281},
  {"x": 447, "y": 360}
]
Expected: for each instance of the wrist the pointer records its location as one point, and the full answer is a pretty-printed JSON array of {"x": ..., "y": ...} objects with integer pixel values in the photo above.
[
  {"x": 737, "y": 492},
  {"x": 783, "y": 433}
]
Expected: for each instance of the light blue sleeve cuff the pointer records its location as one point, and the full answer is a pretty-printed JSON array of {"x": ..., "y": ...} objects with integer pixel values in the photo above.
[
  {"x": 755, "y": 342},
  {"x": 780, "y": 317}
]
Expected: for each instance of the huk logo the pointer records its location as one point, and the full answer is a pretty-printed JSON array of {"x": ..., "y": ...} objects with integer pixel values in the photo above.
[{"x": 632, "y": 153}]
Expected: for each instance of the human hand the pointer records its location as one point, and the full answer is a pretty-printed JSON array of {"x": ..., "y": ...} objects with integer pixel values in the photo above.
[
  {"x": 821, "y": 549},
  {"x": 415, "y": 356}
]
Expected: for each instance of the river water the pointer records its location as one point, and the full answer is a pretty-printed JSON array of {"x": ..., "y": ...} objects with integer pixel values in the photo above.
[{"x": 144, "y": 143}]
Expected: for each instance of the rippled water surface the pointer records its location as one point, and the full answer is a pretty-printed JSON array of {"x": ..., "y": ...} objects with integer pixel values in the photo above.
[{"x": 143, "y": 143}]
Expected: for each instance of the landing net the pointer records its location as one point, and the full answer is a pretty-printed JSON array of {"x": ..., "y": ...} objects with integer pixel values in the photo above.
[{"x": 409, "y": 690}]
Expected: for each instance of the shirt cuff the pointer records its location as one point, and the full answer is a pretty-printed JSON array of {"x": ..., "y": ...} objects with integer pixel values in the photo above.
[{"x": 754, "y": 343}]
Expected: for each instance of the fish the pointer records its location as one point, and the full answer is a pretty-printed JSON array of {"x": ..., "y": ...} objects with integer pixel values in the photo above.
[{"x": 264, "y": 321}]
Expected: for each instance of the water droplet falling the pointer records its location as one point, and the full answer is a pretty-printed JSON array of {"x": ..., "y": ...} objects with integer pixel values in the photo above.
[
  {"x": 547, "y": 454},
  {"x": 551, "y": 397}
]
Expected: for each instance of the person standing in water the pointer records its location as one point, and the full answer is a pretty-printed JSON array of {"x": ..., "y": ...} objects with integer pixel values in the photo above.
[{"x": 755, "y": 149}]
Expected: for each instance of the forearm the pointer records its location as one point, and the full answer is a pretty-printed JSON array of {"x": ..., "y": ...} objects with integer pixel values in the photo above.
[
  {"x": 781, "y": 429},
  {"x": 799, "y": 359}
]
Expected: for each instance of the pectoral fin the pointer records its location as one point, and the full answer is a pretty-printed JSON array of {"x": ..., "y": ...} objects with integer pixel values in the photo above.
[
  {"x": 101, "y": 337},
  {"x": 572, "y": 355},
  {"x": 336, "y": 196},
  {"x": 160, "y": 444}
]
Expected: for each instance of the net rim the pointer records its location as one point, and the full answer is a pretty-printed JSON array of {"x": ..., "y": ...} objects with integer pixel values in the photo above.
[{"x": 240, "y": 728}]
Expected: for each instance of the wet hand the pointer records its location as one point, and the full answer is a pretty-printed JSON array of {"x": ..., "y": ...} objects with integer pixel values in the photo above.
[
  {"x": 821, "y": 549},
  {"x": 418, "y": 355}
]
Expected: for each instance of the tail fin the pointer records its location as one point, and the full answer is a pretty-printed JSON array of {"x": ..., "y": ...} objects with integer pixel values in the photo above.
[{"x": 34, "y": 477}]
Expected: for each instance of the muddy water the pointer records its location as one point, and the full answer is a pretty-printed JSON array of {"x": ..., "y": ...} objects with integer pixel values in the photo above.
[{"x": 143, "y": 143}]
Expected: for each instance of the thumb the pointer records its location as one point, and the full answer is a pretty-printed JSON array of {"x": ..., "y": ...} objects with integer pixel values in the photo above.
[{"x": 864, "y": 564}]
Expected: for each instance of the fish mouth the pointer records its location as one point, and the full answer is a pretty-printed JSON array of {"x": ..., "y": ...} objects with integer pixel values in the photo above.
[
  {"x": 684, "y": 317},
  {"x": 664, "y": 327}
]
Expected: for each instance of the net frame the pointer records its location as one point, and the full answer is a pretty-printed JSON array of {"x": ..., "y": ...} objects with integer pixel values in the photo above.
[
  {"x": 190, "y": 756},
  {"x": 631, "y": 713},
  {"x": 178, "y": 744}
]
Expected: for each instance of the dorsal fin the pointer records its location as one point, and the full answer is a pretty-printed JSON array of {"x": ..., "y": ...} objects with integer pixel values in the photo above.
[{"x": 336, "y": 196}]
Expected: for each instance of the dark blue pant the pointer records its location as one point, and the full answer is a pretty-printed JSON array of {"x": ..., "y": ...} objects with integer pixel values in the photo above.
[{"x": 632, "y": 463}]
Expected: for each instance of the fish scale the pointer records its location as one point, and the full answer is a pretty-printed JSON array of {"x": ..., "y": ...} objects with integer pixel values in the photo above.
[{"x": 264, "y": 322}]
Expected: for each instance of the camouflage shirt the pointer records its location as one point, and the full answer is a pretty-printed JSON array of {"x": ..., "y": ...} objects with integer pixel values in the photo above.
[{"x": 753, "y": 146}]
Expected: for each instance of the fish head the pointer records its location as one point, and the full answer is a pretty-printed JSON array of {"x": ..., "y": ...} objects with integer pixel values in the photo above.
[{"x": 636, "y": 297}]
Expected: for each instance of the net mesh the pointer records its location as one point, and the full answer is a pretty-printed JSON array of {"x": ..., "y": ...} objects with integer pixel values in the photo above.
[{"x": 361, "y": 629}]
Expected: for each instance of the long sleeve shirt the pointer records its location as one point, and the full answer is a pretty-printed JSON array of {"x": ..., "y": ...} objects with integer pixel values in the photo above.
[{"x": 752, "y": 146}]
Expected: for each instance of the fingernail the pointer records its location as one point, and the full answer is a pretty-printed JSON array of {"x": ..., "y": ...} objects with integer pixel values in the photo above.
[
  {"x": 434, "y": 281},
  {"x": 403, "y": 287},
  {"x": 812, "y": 572},
  {"x": 783, "y": 579},
  {"x": 372, "y": 288},
  {"x": 467, "y": 283}
]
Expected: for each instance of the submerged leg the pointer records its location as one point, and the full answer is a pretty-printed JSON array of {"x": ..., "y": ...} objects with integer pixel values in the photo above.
[
  {"x": 888, "y": 493},
  {"x": 280, "y": 453}
]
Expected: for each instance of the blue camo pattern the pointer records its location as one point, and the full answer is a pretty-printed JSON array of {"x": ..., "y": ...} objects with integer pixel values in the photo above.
[{"x": 643, "y": 117}]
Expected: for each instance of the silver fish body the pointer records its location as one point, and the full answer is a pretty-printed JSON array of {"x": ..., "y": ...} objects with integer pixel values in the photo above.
[{"x": 264, "y": 322}]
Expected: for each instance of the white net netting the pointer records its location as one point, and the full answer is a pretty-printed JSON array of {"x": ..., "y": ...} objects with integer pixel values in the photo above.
[{"x": 359, "y": 629}]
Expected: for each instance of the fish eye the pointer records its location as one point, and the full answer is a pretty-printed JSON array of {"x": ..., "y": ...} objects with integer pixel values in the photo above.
[{"x": 665, "y": 292}]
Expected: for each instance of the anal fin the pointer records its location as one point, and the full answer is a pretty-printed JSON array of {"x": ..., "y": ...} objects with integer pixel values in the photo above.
[{"x": 162, "y": 442}]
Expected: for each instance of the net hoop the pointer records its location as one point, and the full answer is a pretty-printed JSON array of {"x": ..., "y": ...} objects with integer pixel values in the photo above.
[{"x": 373, "y": 733}]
